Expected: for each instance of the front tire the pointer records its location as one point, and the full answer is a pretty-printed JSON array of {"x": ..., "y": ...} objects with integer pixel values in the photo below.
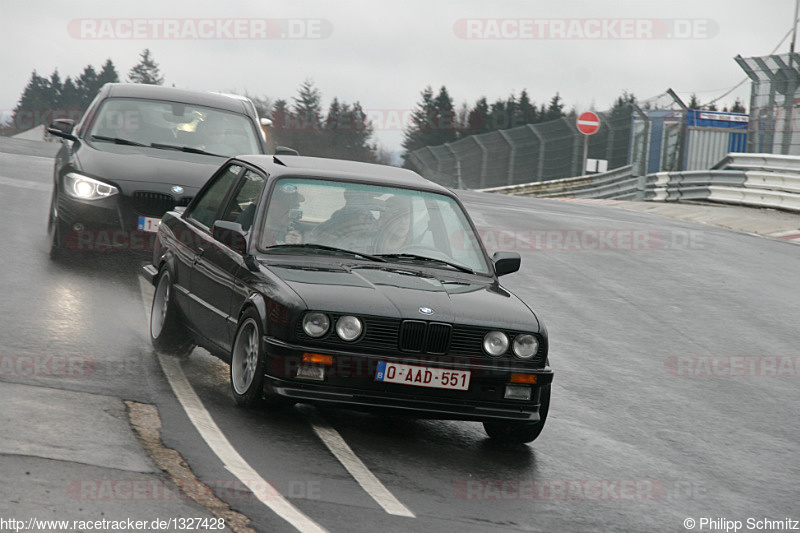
[
  {"x": 54, "y": 230},
  {"x": 167, "y": 333},
  {"x": 247, "y": 362},
  {"x": 521, "y": 432}
]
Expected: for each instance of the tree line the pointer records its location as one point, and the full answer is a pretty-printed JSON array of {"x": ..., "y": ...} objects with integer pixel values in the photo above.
[
  {"x": 436, "y": 120},
  {"x": 343, "y": 131},
  {"x": 47, "y": 98}
]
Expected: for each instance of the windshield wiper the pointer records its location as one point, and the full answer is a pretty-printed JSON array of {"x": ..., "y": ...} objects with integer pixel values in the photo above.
[
  {"x": 415, "y": 257},
  {"x": 188, "y": 149},
  {"x": 329, "y": 249},
  {"x": 116, "y": 140}
]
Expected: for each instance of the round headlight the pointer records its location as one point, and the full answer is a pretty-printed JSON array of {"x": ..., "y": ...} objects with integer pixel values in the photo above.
[
  {"x": 349, "y": 328},
  {"x": 495, "y": 343},
  {"x": 525, "y": 346},
  {"x": 316, "y": 324}
]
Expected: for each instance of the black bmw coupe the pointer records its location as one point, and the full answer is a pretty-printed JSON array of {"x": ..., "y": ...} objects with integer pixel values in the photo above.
[{"x": 363, "y": 286}]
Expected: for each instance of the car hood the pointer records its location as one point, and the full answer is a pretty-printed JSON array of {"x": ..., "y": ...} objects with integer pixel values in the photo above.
[
  {"x": 131, "y": 167},
  {"x": 407, "y": 293}
]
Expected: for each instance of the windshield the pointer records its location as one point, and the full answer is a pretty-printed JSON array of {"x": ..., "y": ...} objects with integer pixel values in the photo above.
[
  {"x": 172, "y": 125},
  {"x": 399, "y": 225}
]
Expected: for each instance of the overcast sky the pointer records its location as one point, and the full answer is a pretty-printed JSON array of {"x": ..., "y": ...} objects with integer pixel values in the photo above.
[{"x": 384, "y": 53}]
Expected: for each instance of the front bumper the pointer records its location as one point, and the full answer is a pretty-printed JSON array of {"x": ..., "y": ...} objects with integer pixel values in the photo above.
[
  {"x": 101, "y": 225},
  {"x": 350, "y": 382}
]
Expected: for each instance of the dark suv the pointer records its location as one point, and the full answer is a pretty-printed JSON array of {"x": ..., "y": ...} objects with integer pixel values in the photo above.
[{"x": 137, "y": 152}]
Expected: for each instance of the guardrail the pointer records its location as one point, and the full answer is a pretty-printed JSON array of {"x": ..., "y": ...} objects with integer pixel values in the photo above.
[
  {"x": 757, "y": 180},
  {"x": 766, "y": 162},
  {"x": 618, "y": 184},
  {"x": 741, "y": 187}
]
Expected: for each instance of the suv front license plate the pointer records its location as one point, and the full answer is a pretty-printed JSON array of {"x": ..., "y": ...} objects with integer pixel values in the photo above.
[{"x": 422, "y": 376}]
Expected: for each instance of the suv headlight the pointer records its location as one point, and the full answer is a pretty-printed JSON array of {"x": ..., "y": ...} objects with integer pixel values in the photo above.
[{"x": 86, "y": 188}]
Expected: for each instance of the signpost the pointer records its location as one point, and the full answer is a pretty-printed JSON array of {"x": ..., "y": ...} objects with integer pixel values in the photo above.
[{"x": 588, "y": 124}]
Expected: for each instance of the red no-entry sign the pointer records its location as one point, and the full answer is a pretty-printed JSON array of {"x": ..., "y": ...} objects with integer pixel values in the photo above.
[{"x": 588, "y": 123}]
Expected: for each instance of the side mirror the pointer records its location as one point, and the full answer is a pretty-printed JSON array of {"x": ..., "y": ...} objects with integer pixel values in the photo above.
[
  {"x": 62, "y": 127},
  {"x": 230, "y": 234},
  {"x": 506, "y": 262},
  {"x": 265, "y": 121}
]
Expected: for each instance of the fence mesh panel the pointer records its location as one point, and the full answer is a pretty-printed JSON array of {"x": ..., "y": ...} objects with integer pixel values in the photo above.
[
  {"x": 774, "y": 126},
  {"x": 524, "y": 154}
]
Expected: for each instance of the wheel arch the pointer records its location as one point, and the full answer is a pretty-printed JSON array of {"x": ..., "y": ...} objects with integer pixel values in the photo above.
[{"x": 257, "y": 302}]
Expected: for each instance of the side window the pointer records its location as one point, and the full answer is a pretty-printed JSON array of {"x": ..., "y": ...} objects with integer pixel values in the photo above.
[
  {"x": 207, "y": 206},
  {"x": 242, "y": 208}
]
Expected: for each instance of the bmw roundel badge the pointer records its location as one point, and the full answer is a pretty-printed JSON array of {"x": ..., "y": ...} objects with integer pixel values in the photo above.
[
  {"x": 426, "y": 310},
  {"x": 177, "y": 189}
]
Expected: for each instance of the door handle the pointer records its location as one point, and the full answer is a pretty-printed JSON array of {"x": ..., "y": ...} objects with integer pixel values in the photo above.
[{"x": 197, "y": 255}]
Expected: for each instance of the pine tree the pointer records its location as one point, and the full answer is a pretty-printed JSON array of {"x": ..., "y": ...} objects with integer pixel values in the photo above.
[
  {"x": 555, "y": 110},
  {"x": 86, "y": 84},
  {"x": 694, "y": 103},
  {"x": 69, "y": 101},
  {"x": 421, "y": 131},
  {"x": 54, "y": 88},
  {"x": 498, "y": 117},
  {"x": 280, "y": 110},
  {"x": 526, "y": 110},
  {"x": 359, "y": 133},
  {"x": 146, "y": 71},
  {"x": 282, "y": 130},
  {"x": 738, "y": 107},
  {"x": 478, "y": 118},
  {"x": 108, "y": 74},
  {"x": 512, "y": 108},
  {"x": 307, "y": 107},
  {"x": 462, "y": 119},
  {"x": 345, "y": 134},
  {"x": 34, "y": 105},
  {"x": 623, "y": 107},
  {"x": 445, "y": 117}
]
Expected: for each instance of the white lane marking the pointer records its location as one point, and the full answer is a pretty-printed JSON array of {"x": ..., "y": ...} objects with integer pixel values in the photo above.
[
  {"x": 329, "y": 436},
  {"x": 371, "y": 484},
  {"x": 219, "y": 444},
  {"x": 23, "y": 184}
]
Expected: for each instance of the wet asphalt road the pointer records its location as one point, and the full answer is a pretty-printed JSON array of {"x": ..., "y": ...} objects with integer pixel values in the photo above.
[{"x": 636, "y": 439}]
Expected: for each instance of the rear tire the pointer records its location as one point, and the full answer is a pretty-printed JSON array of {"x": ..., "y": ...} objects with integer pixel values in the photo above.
[
  {"x": 167, "y": 332},
  {"x": 521, "y": 432}
]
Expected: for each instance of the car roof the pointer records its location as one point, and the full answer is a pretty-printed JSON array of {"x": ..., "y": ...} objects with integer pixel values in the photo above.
[
  {"x": 281, "y": 165},
  {"x": 236, "y": 104}
]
